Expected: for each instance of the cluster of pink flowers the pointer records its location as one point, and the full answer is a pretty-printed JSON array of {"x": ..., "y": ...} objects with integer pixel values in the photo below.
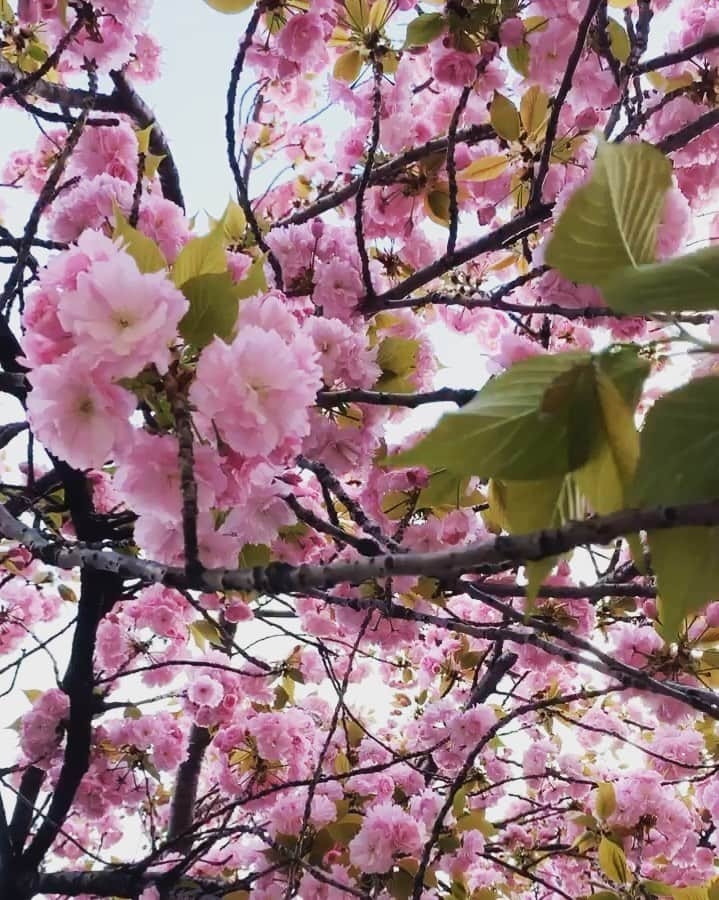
[{"x": 101, "y": 336}]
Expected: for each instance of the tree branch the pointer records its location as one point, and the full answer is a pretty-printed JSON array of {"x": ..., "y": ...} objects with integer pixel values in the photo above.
[{"x": 284, "y": 578}]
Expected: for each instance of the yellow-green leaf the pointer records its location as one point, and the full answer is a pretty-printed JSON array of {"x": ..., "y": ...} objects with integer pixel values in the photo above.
[
  {"x": 486, "y": 168},
  {"x": 143, "y": 139},
  {"x": 612, "y": 861},
  {"x": 436, "y": 205},
  {"x": 213, "y": 309},
  {"x": 689, "y": 282},
  {"x": 349, "y": 65},
  {"x": 610, "y": 223},
  {"x": 519, "y": 59},
  {"x": 680, "y": 447},
  {"x": 142, "y": 249},
  {"x": 693, "y": 892},
  {"x": 504, "y": 117},
  {"x": 686, "y": 563},
  {"x": 606, "y": 801},
  {"x": 229, "y": 6},
  {"x": 424, "y": 29},
  {"x": 517, "y": 427},
  {"x": 619, "y": 42},
  {"x": 201, "y": 256},
  {"x": 533, "y": 110}
]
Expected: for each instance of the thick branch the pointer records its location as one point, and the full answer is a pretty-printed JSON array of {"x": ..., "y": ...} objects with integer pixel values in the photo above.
[{"x": 284, "y": 578}]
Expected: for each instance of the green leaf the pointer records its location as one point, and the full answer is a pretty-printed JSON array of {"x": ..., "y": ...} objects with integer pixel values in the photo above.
[
  {"x": 610, "y": 223},
  {"x": 686, "y": 564},
  {"x": 229, "y": 6},
  {"x": 436, "y": 205},
  {"x": 619, "y": 42},
  {"x": 476, "y": 820},
  {"x": 233, "y": 222},
  {"x": 518, "y": 425},
  {"x": 254, "y": 281},
  {"x": 201, "y": 256},
  {"x": 345, "y": 828},
  {"x": 685, "y": 282},
  {"x": 253, "y": 555},
  {"x": 213, "y": 309},
  {"x": 657, "y": 887},
  {"x": 485, "y": 168},
  {"x": 424, "y": 29},
  {"x": 627, "y": 370},
  {"x": 142, "y": 249},
  {"x": 680, "y": 447},
  {"x": 612, "y": 861},
  {"x": 33, "y": 694},
  {"x": 519, "y": 59},
  {"x": 203, "y": 631},
  {"x": 605, "y": 477},
  {"x": 504, "y": 117}
]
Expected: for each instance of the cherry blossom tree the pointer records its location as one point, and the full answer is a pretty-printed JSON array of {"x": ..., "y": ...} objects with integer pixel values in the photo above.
[{"x": 306, "y": 620}]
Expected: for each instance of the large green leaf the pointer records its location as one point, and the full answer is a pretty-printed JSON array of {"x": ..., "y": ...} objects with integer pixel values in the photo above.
[
  {"x": 680, "y": 447},
  {"x": 678, "y": 464},
  {"x": 519, "y": 426},
  {"x": 424, "y": 29},
  {"x": 610, "y": 223},
  {"x": 686, "y": 563},
  {"x": 686, "y": 282},
  {"x": 213, "y": 309},
  {"x": 201, "y": 256}
]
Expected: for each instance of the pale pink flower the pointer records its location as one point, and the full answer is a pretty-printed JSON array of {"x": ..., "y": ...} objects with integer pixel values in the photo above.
[
  {"x": 455, "y": 68},
  {"x": 110, "y": 149},
  {"x": 257, "y": 390},
  {"x": 122, "y": 317},
  {"x": 78, "y": 414},
  {"x": 511, "y": 32},
  {"x": 205, "y": 691},
  {"x": 302, "y": 40},
  {"x": 387, "y": 829}
]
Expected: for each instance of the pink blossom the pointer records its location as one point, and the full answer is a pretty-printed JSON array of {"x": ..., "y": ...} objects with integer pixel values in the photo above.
[
  {"x": 78, "y": 414},
  {"x": 121, "y": 316},
  {"x": 244, "y": 389},
  {"x": 511, "y": 32},
  {"x": 455, "y": 68},
  {"x": 205, "y": 691},
  {"x": 387, "y": 829},
  {"x": 302, "y": 40},
  {"x": 111, "y": 149}
]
